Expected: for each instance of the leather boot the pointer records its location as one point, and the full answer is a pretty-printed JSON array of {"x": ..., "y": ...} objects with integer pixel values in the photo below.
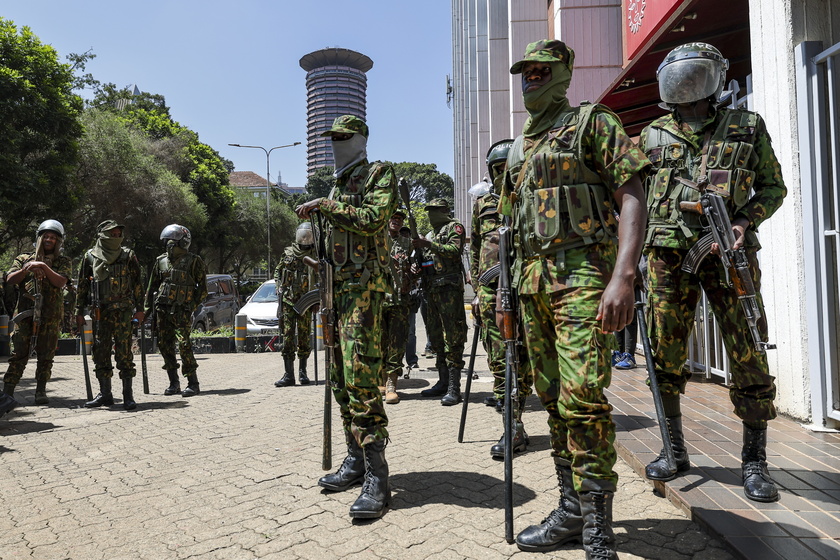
[
  {"x": 351, "y": 471},
  {"x": 598, "y": 537},
  {"x": 391, "y": 396},
  {"x": 439, "y": 388},
  {"x": 376, "y": 492},
  {"x": 453, "y": 393},
  {"x": 563, "y": 525},
  {"x": 9, "y": 389},
  {"x": 304, "y": 379},
  {"x": 105, "y": 397},
  {"x": 520, "y": 442},
  {"x": 192, "y": 385},
  {"x": 128, "y": 394},
  {"x": 658, "y": 468},
  {"x": 41, "y": 391},
  {"x": 288, "y": 378},
  {"x": 174, "y": 383},
  {"x": 758, "y": 485},
  {"x": 7, "y": 403}
]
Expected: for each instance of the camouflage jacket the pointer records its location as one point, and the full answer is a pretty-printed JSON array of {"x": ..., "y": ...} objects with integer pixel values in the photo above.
[
  {"x": 124, "y": 289},
  {"x": 606, "y": 150},
  {"x": 447, "y": 246},
  {"x": 484, "y": 240},
  {"x": 292, "y": 277},
  {"x": 195, "y": 286},
  {"x": 52, "y": 298},
  {"x": 358, "y": 210},
  {"x": 402, "y": 280},
  {"x": 740, "y": 159}
]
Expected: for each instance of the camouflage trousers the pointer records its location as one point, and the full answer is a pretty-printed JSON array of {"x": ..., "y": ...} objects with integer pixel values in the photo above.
[
  {"x": 45, "y": 348},
  {"x": 394, "y": 337},
  {"x": 113, "y": 330},
  {"x": 673, "y": 297},
  {"x": 570, "y": 357},
  {"x": 174, "y": 328},
  {"x": 357, "y": 364},
  {"x": 297, "y": 333},
  {"x": 494, "y": 345},
  {"x": 446, "y": 325}
]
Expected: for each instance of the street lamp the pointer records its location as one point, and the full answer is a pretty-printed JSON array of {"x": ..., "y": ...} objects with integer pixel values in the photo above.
[{"x": 267, "y": 195}]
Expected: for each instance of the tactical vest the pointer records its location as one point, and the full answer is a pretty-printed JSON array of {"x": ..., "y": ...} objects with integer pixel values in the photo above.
[
  {"x": 729, "y": 165},
  {"x": 445, "y": 266},
  {"x": 401, "y": 278},
  {"x": 488, "y": 232},
  {"x": 562, "y": 204},
  {"x": 117, "y": 287},
  {"x": 178, "y": 286},
  {"x": 350, "y": 250}
]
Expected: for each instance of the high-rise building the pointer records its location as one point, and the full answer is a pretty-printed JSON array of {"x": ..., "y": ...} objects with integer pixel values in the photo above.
[{"x": 335, "y": 85}]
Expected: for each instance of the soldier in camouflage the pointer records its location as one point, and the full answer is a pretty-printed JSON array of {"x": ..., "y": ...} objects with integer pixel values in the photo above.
[
  {"x": 358, "y": 210},
  {"x": 396, "y": 307},
  {"x": 292, "y": 279},
  {"x": 40, "y": 276},
  {"x": 566, "y": 174},
  {"x": 484, "y": 254},
  {"x": 446, "y": 323},
  {"x": 114, "y": 272},
  {"x": 177, "y": 285},
  {"x": 730, "y": 151}
]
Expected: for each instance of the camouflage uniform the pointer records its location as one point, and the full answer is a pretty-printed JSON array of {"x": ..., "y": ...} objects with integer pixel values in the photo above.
[
  {"x": 396, "y": 307},
  {"x": 293, "y": 279},
  {"x": 740, "y": 158},
  {"x": 176, "y": 287}
]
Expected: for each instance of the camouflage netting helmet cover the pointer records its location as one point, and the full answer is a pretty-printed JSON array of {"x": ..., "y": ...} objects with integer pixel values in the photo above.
[
  {"x": 50, "y": 225},
  {"x": 497, "y": 153},
  {"x": 692, "y": 72},
  {"x": 304, "y": 235},
  {"x": 177, "y": 233},
  {"x": 348, "y": 124}
]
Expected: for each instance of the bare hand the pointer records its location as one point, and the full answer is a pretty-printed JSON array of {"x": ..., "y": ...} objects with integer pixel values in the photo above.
[
  {"x": 617, "y": 306},
  {"x": 80, "y": 320},
  {"x": 475, "y": 311},
  {"x": 36, "y": 268},
  {"x": 139, "y": 316},
  {"x": 421, "y": 243},
  {"x": 739, "y": 231},
  {"x": 304, "y": 210}
]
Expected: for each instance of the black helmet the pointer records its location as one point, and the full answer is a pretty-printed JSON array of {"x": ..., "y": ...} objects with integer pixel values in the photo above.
[
  {"x": 692, "y": 72},
  {"x": 179, "y": 234}
]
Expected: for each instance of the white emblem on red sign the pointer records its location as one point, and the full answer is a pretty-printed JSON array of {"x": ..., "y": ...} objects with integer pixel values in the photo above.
[{"x": 635, "y": 14}]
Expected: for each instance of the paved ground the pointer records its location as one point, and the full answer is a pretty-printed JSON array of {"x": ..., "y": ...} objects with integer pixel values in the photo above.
[{"x": 232, "y": 473}]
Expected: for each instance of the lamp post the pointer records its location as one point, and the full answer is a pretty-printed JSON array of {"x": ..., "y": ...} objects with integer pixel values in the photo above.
[{"x": 267, "y": 196}]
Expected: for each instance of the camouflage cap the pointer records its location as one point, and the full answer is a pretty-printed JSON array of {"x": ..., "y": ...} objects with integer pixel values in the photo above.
[
  {"x": 348, "y": 124},
  {"x": 108, "y": 225},
  {"x": 438, "y": 203},
  {"x": 399, "y": 213},
  {"x": 547, "y": 50}
]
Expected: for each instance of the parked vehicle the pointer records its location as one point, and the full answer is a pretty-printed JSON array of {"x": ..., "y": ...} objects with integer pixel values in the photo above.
[
  {"x": 261, "y": 310},
  {"x": 221, "y": 305}
]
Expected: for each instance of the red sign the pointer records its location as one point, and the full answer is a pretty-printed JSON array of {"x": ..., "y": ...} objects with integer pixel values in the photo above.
[{"x": 643, "y": 18}]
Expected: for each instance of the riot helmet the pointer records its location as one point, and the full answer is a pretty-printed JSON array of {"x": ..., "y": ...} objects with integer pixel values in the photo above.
[
  {"x": 497, "y": 157},
  {"x": 179, "y": 235},
  {"x": 480, "y": 189},
  {"x": 51, "y": 225},
  {"x": 304, "y": 235},
  {"x": 690, "y": 73}
]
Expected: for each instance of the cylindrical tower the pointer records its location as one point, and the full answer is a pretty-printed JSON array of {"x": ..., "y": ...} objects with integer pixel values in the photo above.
[{"x": 335, "y": 85}]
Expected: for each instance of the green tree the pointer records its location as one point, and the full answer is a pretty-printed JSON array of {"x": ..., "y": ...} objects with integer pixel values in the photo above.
[
  {"x": 425, "y": 182},
  {"x": 320, "y": 183},
  {"x": 40, "y": 130}
]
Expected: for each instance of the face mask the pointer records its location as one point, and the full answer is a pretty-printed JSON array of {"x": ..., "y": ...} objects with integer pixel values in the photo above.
[
  {"x": 438, "y": 218},
  {"x": 348, "y": 153}
]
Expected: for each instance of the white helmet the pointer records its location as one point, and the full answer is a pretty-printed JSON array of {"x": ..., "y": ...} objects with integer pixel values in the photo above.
[
  {"x": 692, "y": 72},
  {"x": 304, "y": 236},
  {"x": 51, "y": 225}
]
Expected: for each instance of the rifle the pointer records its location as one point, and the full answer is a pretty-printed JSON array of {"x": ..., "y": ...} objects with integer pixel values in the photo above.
[
  {"x": 327, "y": 313},
  {"x": 95, "y": 308},
  {"x": 470, "y": 369},
  {"x": 509, "y": 335},
  {"x": 426, "y": 265},
  {"x": 712, "y": 208},
  {"x": 36, "y": 316},
  {"x": 143, "y": 356},
  {"x": 667, "y": 444},
  {"x": 88, "y": 387}
]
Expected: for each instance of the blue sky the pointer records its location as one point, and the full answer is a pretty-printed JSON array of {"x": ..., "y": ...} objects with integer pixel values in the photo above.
[{"x": 229, "y": 69}]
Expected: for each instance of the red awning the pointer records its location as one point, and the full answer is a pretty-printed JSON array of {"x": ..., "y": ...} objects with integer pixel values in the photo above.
[{"x": 634, "y": 94}]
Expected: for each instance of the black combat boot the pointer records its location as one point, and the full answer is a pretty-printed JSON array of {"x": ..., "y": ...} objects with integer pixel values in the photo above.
[
  {"x": 192, "y": 385},
  {"x": 520, "y": 442},
  {"x": 7, "y": 403},
  {"x": 128, "y": 394},
  {"x": 304, "y": 379},
  {"x": 598, "y": 536},
  {"x": 453, "y": 393},
  {"x": 563, "y": 525},
  {"x": 376, "y": 493},
  {"x": 439, "y": 388},
  {"x": 351, "y": 471},
  {"x": 8, "y": 389},
  {"x": 288, "y": 378},
  {"x": 658, "y": 468},
  {"x": 105, "y": 397},
  {"x": 41, "y": 391},
  {"x": 758, "y": 485},
  {"x": 174, "y": 383}
]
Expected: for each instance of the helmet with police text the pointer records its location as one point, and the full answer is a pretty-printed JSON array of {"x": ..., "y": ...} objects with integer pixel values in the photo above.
[
  {"x": 179, "y": 234},
  {"x": 690, "y": 73},
  {"x": 497, "y": 157},
  {"x": 51, "y": 225},
  {"x": 304, "y": 236}
]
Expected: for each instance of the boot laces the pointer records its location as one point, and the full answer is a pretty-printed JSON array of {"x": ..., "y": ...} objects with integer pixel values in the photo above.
[{"x": 755, "y": 467}]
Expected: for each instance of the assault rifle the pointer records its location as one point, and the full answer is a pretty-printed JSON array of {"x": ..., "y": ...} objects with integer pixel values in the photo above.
[
  {"x": 95, "y": 308},
  {"x": 143, "y": 356},
  {"x": 425, "y": 264},
  {"x": 327, "y": 313},
  {"x": 509, "y": 335},
  {"x": 36, "y": 316},
  {"x": 712, "y": 208}
]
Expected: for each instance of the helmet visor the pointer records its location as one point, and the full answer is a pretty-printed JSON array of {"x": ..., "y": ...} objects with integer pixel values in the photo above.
[
  {"x": 480, "y": 189},
  {"x": 689, "y": 80}
]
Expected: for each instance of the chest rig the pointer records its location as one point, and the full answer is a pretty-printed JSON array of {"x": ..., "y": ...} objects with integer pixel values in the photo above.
[
  {"x": 117, "y": 287},
  {"x": 561, "y": 204},
  {"x": 178, "y": 286},
  {"x": 730, "y": 160}
]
